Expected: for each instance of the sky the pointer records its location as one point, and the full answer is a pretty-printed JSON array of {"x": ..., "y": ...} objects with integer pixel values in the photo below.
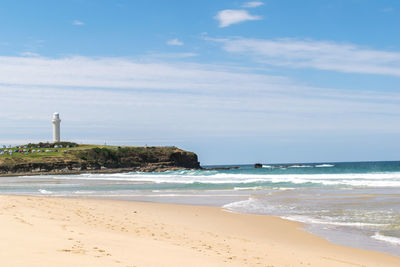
[{"x": 237, "y": 82}]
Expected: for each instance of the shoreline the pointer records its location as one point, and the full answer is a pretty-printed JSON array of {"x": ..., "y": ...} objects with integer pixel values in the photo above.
[
  {"x": 149, "y": 168},
  {"x": 88, "y": 232}
]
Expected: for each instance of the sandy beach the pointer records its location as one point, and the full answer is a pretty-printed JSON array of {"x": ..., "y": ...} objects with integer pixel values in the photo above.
[{"x": 38, "y": 231}]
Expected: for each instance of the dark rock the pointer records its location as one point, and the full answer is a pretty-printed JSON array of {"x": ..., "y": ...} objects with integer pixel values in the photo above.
[
  {"x": 258, "y": 165},
  {"x": 185, "y": 159},
  {"x": 222, "y": 168}
]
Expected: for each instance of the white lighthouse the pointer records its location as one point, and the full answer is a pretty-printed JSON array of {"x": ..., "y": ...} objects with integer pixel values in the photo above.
[{"x": 56, "y": 127}]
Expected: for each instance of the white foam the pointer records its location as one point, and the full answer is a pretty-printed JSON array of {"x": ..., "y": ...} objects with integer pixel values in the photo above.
[
  {"x": 83, "y": 192},
  {"x": 45, "y": 192},
  {"x": 325, "y": 166},
  {"x": 267, "y": 166},
  {"x": 254, "y": 205},
  {"x": 300, "y": 166},
  {"x": 247, "y": 188},
  {"x": 382, "y": 179},
  {"x": 117, "y": 195},
  {"x": 283, "y": 188},
  {"x": 250, "y": 205},
  {"x": 310, "y": 220},
  {"x": 389, "y": 239}
]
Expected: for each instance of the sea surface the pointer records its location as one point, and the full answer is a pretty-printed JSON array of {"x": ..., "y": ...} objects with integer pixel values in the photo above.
[{"x": 355, "y": 204}]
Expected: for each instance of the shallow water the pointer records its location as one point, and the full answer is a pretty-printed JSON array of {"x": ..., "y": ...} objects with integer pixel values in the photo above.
[{"x": 354, "y": 204}]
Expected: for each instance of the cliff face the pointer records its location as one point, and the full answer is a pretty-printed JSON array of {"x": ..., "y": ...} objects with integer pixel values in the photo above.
[
  {"x": 104, "y": 159},
  {"x": 185, "y": 159}
]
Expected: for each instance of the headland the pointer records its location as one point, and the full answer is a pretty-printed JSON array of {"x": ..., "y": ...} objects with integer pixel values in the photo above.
[{"x": 72, "y": 158}]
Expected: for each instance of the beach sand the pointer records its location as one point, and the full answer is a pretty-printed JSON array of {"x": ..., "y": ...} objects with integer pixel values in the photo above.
[{"x": 79, "y": 232}]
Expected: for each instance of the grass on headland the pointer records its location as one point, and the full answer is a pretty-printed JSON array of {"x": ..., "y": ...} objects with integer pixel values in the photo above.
[
  {"x": 73, "y": 152},
  {"x": 32, "y": 151}
]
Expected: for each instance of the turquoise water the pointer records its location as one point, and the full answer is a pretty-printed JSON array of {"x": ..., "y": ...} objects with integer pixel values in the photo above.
[{"x": 355, "y": 204}]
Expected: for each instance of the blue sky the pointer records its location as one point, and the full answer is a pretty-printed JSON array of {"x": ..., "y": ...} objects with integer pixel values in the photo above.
[{"x": 234, "y": 81}]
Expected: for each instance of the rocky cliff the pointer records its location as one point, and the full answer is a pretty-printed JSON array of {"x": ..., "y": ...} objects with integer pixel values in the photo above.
[{"x": 102, "y": 159}]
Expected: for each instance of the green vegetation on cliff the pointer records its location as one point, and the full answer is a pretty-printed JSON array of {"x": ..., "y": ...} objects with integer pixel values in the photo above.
[{"x": 74, "y": 158}]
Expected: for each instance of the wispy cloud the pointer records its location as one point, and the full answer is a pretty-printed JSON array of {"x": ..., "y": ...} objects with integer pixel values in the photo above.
[
  {"x": 118, "y": 99},
  {"x": 175, "y": 42},
  {"x": 229, "y": 16},
  {"x": 388, "y": 9},
  {"x": 221, "y": 82},
  {"x": 322, "y": 55},
  {"x": 34, "y": 44},
  {"x": 170, "y": 56},
  {"x": 29, "y": 54},
  {"x": 252, "y": 4},
  {"x": 78, "y": 23},
  {"x": 123, "y": 73}
]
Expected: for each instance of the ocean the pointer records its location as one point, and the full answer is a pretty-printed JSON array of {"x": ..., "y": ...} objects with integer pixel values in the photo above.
[{"x": 355, "y": 204}]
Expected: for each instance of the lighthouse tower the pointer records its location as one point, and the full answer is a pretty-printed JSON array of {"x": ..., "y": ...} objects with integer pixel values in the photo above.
[{"x": 56, "y": 127}]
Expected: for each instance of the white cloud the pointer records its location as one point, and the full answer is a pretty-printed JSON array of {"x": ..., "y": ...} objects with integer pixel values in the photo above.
[
  {"x": 388, "y": 9},
  {"x": 175, "y": 41},
  {"x": 29, "y": 54},
  {"x": 228, "y": 17},
  {"x": 252, "y": 4},
  {"x": 132, "y": 102},
  {"x": 322, "y": 55},
  {"x": 168, "y": 56},
  {"x": 123, "y": 73},
  {"x": 34, "y": 45},
  {"x": 115, "y": 81},
  {"x": 78, "y": 23}
]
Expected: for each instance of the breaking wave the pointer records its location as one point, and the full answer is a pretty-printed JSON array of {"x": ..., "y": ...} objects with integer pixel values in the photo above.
[
  {"x": 389, "y": 239},
  {"x": 384, "y": 179}
]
